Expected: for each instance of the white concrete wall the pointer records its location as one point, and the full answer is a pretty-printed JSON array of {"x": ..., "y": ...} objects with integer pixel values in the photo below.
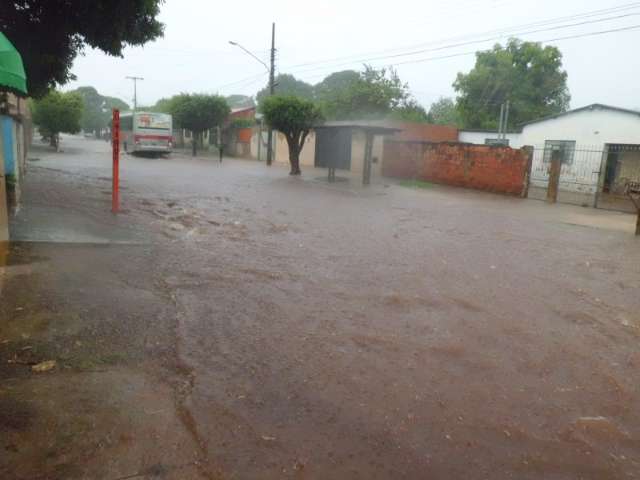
[
  {"x": 589, "y": 128},
  {"x": 479, "y": 138},
  {"x": 592, "y": 130},
  {"x": 307, "y": 155}
]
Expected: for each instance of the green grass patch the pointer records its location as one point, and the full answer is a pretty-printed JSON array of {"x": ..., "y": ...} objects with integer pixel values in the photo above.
[{"x": 413, "y": 183}]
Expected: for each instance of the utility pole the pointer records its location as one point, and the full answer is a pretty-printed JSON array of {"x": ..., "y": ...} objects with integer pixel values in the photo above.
[
  {"x": 506, "y": 122},
  {"x": 135, "y": 91},
  {"x": 272, "y": 83},
  {"x": 271, "y": 90},
  {"x": 500, "y": 123}
]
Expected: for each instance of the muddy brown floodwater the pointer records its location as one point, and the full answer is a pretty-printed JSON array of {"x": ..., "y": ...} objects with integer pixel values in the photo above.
[{"x": 235, "y": 323}]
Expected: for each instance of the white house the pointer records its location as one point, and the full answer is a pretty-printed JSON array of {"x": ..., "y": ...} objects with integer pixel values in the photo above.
[{"x": 600, "y": 148}]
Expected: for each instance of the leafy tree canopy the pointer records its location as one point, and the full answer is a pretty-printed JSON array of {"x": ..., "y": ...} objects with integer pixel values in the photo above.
[
  {"x": 443, "y": 112},
  {"x": 96, "y": 112},
  {"x": 372, "y": 93},
  {"x": 527, "y": 74},
  {"x": 162, "y": 106},
  {"x": 49, "y": 34},
  {"x": 411, "y": 111},
  {"x": 294, "y": 117},
  {"x": 287, "y": 84},
  {"x": 342, "y": 81},
  {"x": 240, "y": 101},
  {"x": 58, "y": 112},
  {"x": 114, "y": 102},
  {"x": 198, "y": 112}
]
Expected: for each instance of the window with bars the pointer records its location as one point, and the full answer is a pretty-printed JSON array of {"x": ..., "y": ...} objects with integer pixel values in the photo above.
[{"x": 567, "y": 150}]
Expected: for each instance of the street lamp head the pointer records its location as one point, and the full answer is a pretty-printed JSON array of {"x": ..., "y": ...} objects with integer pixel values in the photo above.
[{"x": 233, "y": 43}]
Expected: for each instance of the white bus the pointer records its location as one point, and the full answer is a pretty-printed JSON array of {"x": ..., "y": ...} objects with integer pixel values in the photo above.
[{"x": 146, "y": 132}]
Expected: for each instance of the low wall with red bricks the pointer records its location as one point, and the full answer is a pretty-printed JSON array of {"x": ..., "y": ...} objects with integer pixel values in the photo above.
[{"x": 482, "y": 167}]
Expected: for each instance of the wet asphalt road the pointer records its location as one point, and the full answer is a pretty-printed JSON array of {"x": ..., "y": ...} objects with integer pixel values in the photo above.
[{"x": 334, "y": 332}]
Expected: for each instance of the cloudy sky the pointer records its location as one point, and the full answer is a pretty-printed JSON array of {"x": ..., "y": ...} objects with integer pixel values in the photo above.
[{"x": 316, "y": 38}]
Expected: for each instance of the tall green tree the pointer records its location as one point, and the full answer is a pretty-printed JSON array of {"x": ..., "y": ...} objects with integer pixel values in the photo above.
[
  {"x": 93, "y": 118},
  {"x": 372, "y": 93},
  {"x": 410, "y": 111},
  {"x": 293, "y": 117},
  {"x": 240, "y": 101},
  {"x": 198, "y": 113},
  {"x": 114, "y": 102},
  {"x": 96, "y": 112},
  {"x": 527, "y": 74},
  {"x": 58, "y": 112},
  {"x": 49, "y": 34},
  {"x": 443, "y": 112},
  {"x": 162, "y": 106},
  {"x": 333, "y": 84},
  {"x": 287, "y": 84}
]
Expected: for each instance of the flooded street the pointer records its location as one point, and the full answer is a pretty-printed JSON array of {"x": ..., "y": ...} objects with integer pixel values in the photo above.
[{"x": 236, "y": 323}]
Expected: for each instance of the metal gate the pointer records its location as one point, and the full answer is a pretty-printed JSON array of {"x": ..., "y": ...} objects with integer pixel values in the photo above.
[
  {"x": 579, "y": 174},
  {"x": 333, "y": 148}
]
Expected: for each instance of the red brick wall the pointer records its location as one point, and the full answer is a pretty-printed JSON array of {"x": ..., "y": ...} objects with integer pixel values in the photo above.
[
  {"x": 425, "y": 132},
  {"x": 494, "y": 169}
]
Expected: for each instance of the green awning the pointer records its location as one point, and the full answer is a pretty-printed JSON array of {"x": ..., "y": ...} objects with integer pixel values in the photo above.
[{"x": 12, "y": 74}]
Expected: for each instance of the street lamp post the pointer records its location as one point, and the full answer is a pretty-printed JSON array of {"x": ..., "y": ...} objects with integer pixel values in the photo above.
[{"x": 271, "y": 70}]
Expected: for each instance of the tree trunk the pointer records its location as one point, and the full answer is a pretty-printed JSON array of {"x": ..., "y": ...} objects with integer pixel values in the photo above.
[
  {"x": 294, "y": 154},
  {"x": 193, "y": 144},
  {"x": 54, "y": 141},
  {"x": 294, "y": 160}
]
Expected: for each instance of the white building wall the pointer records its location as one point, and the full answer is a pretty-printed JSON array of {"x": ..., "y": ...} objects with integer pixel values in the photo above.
[
  {"x": 588, "y": 128},
  {"x": 592, "y": 130}
]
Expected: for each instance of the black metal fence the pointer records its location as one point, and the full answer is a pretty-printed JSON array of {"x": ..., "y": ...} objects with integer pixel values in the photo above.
[{"x": 580, "y": 171}]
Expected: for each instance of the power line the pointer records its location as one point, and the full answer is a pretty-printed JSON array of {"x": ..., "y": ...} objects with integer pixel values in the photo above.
[
  {"x": 503, "y": 32},
  {"x": 471, "y": 42},
  {"x": 557, "y": 39},
  {"x": 460, "y": 54},
  {"x": 474, "y": 52},
  {"x": 243, "y": 80}
]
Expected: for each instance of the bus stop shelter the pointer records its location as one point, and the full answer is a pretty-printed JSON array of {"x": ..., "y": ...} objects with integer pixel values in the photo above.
[{"x": 334, "y": 142}]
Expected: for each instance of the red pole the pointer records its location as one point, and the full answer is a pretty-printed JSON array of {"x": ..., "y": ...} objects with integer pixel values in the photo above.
[{"x": 115, "y": 139}]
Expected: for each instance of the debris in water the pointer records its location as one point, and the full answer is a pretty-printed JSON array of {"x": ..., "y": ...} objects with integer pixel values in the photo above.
[
  {"x": 266, "y": 438},
  {"x": 44, "y": 366}
]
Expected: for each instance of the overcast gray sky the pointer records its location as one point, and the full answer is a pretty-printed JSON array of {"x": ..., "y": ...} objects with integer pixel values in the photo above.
[{"x": 333, "y": 35}]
